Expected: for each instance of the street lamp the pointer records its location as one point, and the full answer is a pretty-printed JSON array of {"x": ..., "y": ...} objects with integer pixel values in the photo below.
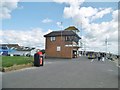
[{"x": 106, "y": 44}]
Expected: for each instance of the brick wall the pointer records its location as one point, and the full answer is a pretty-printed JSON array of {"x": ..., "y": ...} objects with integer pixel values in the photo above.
[{"x": 51, "y": 48}]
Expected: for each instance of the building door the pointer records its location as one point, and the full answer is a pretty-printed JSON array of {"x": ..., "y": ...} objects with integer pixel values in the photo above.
[{"x": 74, "y": 53}]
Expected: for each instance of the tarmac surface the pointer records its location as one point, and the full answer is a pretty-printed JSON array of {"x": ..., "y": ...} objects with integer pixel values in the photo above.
[
  {"x": 65, "y": 73},
  {"x": 0, "y": 80}
]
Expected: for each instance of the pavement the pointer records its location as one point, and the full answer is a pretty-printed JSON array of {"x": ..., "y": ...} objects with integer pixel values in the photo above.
[
  {"x": 65, "y": 73},
  {"x": 0, "y": 80}
]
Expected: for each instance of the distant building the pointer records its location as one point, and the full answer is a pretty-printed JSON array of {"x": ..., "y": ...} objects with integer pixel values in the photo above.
[
  {"x": 62, "y": 44},
  {"x": 14, "y": 49},
  {"x": 10, "y": 45}
]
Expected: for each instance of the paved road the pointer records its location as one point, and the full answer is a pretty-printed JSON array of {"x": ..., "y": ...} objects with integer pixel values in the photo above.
[
  {"x": 65, "y": 73},
  {"x": 0, "y": 80}
]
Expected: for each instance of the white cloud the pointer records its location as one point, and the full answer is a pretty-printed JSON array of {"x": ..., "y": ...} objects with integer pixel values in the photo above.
[
  {"x": 101, "y": 13},
  {"x": 94, "y": 33},
  {"x": 70, "y": 2},
  {"x": 47, "y": 20},
  {"x": 6, "y": 7},
  {"x": 87, "y": 11},
  {"x": 115, "y": 15},
  {"x": 34, "y": 37},
  {"x": 68, "y": 12}
]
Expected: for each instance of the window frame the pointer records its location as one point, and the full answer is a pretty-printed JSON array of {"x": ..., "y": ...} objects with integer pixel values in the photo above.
[{"x": 53, "y": 38}]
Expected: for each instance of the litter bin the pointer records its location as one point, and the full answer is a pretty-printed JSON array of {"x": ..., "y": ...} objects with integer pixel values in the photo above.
[{"x": 38, "y": 59}]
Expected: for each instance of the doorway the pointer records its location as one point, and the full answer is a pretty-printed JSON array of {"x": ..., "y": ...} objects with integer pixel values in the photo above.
[{"x": 74, "y": 53}]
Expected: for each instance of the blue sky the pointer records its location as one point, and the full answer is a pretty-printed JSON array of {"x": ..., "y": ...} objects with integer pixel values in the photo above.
[
  {"x": 30, "y": 15},
  {"x": 26, "y": 23}
]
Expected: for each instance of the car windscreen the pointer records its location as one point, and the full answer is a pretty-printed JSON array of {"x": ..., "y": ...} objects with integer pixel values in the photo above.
[{"x": 3, "y": 47}]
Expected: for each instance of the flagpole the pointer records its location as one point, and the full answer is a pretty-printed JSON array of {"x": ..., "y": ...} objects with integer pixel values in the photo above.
[
  {"x": 81, "y": 39},
  {"x": 61, "y": 38},
  {"x": 61, "y": 30},
  {"x": 106, "y": 42}
]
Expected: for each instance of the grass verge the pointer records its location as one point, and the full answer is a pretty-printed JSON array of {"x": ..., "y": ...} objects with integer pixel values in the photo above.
[{"x": 8, "y": 61}]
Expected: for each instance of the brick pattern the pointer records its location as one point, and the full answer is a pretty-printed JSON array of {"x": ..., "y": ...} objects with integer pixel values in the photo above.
[{"x": 51, "y": 48}]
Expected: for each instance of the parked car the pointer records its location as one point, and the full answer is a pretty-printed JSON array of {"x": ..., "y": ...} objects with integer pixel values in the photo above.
[
  {"x": 4, "y": 50},
  {"x": 91, "y": 55}
]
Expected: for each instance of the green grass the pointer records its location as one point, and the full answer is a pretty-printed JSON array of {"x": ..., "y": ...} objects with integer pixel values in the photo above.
[{"x": 8, "y": 61}]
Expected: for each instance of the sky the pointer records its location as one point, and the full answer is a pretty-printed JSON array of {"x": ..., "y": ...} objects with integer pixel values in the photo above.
[{"x": 26, "y": 23}]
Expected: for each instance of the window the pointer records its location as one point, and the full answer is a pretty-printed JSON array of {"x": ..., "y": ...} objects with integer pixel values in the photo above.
[
  {"x": 52, "y": 38},
  {"x": 68, "y": 38},
  {"x": 58, "y": 48}
]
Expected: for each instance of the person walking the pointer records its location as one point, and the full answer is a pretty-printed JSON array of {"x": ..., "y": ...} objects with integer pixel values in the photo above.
[
  {"x": 103, "y": 57},
  {"x": 98, "y": 56}
]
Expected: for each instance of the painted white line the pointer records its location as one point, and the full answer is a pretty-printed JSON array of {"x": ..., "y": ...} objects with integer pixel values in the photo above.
[
  {"x": 92, "y": 60},
  {"x": 1, "y": 73}
]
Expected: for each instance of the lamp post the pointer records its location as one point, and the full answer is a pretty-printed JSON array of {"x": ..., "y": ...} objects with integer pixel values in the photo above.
[
  {"x": 106, "y": 44},
  {"x": 81, "y": 40},
  {"x": 61, "y": 23}
]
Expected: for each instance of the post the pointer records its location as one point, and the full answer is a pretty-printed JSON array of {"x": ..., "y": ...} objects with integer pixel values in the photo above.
[
  {"x": 81, "y": 39},
  {"x": 61, "y": 38},
  {"x": 106, "y": 43}
]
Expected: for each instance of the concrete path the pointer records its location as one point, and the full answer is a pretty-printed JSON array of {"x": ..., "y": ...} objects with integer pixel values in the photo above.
[{"x": 65, "y": 73}]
